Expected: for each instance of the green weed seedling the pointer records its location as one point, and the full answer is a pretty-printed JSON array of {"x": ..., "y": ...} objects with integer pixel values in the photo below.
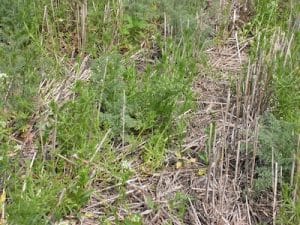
[{"x": 179, "y": 204}]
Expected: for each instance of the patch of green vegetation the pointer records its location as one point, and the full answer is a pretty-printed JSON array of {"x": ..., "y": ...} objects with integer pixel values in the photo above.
[
  {"x": 133, "y": 220},
  {"x": 278, "y": 140},
  {"x": 273, "y": 20},
  {"x": 120, "y": 105},
  {"x": 179, "y": 204},
  {"x": 276, "y": 40}
]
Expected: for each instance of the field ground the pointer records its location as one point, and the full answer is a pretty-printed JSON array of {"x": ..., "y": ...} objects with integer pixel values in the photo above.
[{"x": 149, "y": 112}]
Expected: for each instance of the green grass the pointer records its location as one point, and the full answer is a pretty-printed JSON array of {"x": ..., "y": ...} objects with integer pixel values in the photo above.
[{"x": 119, "y": 105}]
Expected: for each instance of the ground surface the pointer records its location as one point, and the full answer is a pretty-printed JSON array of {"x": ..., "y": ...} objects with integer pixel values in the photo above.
[{"x": 148, "y": 112}]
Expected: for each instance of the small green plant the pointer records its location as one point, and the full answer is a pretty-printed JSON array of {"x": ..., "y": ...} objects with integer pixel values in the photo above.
[
  {"x": 151, "y": 204},
  {"x": 133, "y": 28},
  {"x": 133, "y": 220},
  {"x": 289, "y": 213},
  {"x": 179, "y": 204},
  {"x": 155, "y": 151},
  {"x": 276, "y": 138}
]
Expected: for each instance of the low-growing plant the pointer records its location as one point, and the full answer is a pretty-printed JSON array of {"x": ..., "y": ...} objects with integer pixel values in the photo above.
[{"x": 180, "y": 204}]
